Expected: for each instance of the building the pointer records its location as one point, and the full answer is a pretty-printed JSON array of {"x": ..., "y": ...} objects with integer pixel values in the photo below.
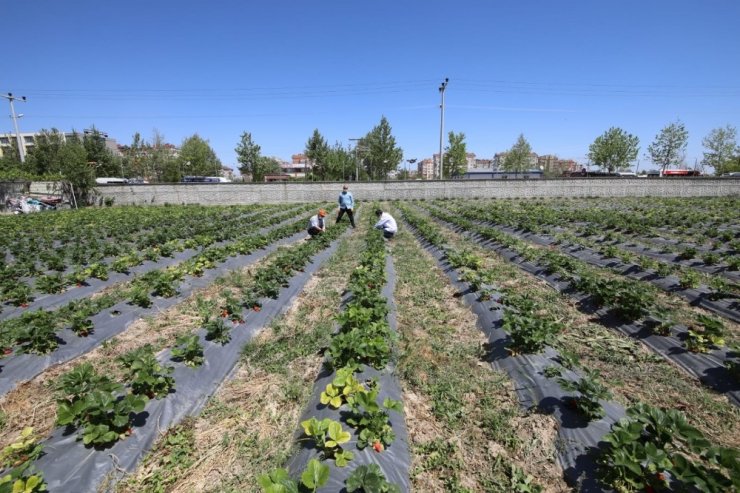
[
  {"x": 29, "y": 141},
  {"x": 491, "y": 174},
  {"x": 425, "y": 169},
  {"x": 500, "y": 157},
  {"x": 297, "y": 168},
  {"x": 552, "y": 165}
]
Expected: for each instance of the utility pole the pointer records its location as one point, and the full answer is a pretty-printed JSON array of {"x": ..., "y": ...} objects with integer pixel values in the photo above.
[
  {"x": 442, "y": 88},
  {"x": 357, "y": 162},
  {"x": 21, "y": 149}
]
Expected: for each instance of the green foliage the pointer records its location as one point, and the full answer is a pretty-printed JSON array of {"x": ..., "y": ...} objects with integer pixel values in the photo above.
[
  {"x": 38, "y": 333},
  {"x": 669, "y": 146},
  {"x": 518, "y": 158},
  {"x": 343, "y": 389},
  {"x": 369, "y": 479},
  {"x": 189, "y": 350},
  {"x": 217, "y": 330},
  {"x": 721, "y": 145},
  {"x": 278, "y": 481},
  {"x": 456, "y": 158},
  {"x": 17, "y": 472},
  {"x": 652, "y": 443},
  {"x": 317, "y": 151},
  {"x": 529, "y": 333},
  {"x": 328, "y": 436},
  {"x": 591, "y": 390},
  {"x": 145, "y": 374},
  {"x": 705, "y": 334},
  {"x": 614, "y": 149},
  {"x": 198, "y": 158},
  {"x": 379, "y": 152},
  {"x": 89, "y": 401},
  {"x": 372, "y": 420}
]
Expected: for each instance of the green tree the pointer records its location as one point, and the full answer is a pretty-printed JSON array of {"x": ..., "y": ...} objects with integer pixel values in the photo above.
[
  {"x": 197, "y": 158},
  {"x": 721, "y": 145},
  {"x": 159, "y": 161},
  {"x": 77, "y": 170},
  {"x": 317, "y": 151},
  {"x": 340, "y": 163},
  {"x": 669, "y": 146},
  {"x": 380, "y": 154},
  {"x": 518, "y": 158},
  {"x": 45, "y": 156},
  {"x": 267, "y": 166},
  {"x": 10, "y": 162},
  {"x": 456, "y": 155},
  {"x": 98, "y": 153},
  {"x": 614, "y": 149},
  {"x": 248, "y": 155}
]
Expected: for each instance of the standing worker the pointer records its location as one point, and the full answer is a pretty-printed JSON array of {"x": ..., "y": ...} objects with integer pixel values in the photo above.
[
  {"x": 386, "y": 223},
  {"x": 316, "y": 224},
  {"x": 346, "y": 204}
]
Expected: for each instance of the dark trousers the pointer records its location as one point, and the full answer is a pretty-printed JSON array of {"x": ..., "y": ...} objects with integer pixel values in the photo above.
[
  {"x": 314, "y": 231},
  {"x": 388, "y": 234},
  {"x": 350, "y": 213}
]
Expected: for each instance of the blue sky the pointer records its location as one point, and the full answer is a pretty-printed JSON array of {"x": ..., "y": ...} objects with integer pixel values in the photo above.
[{"x": 561, "y": 72}]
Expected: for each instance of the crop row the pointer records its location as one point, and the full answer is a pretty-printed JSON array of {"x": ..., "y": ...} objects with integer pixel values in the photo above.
[
  {"x": 350, "y": 398},
  {"x": 630, "y": 300},
  {"x": 40, "y": 332},
  {"x": 104, "y": 411},
  {"x": 120, "y": 257},
  {"x": 650, "y": 449}
]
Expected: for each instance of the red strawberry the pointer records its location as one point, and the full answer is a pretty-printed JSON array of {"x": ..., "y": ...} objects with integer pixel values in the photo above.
[{"x": 378, "y": 446}]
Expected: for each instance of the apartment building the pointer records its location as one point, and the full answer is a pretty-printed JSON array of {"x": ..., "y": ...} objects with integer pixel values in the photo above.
[{"x": 29, "y": 140}]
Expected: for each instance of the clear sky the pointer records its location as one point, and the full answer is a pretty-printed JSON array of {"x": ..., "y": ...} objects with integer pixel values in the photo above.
[{"x": 560, "y": 72}]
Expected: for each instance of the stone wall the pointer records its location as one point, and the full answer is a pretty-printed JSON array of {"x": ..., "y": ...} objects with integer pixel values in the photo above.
[{"x": 248, "y": 193}]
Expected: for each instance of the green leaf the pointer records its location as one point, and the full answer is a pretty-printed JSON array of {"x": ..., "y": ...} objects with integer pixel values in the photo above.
[{"x": 315, "y": 475}]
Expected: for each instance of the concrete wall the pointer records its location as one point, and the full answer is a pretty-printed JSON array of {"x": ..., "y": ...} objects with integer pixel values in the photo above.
[{"x": 248, "y": 193}]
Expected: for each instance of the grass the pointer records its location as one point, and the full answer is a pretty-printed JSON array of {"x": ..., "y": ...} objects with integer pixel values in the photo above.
[
  {"x": 635, "y": 374},
  {"x": 462, "y": 416},
  {"x": 246, "y": 429}
]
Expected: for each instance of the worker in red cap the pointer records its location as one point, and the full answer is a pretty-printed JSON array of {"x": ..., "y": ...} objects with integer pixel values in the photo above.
[{"x": 316, "y": 225}]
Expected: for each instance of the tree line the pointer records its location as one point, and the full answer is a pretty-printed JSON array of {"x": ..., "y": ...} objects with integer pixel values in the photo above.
[{"x": 616, "y": 149}]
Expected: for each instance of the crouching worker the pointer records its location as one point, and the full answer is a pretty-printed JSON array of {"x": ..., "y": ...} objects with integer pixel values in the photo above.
[
  {"x": 316, "y": 225},
  {"x": 386, "y": 223}
]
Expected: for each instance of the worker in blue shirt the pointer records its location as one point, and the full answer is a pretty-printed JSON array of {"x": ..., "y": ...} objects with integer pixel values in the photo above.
[{"x": 346, "y": 204}]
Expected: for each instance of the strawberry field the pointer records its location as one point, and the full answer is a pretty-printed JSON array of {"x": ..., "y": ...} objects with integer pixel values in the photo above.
[{"x": 492, "y": 345}]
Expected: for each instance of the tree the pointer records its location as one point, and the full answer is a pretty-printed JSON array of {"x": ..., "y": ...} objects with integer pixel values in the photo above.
[
  {"x": 614, "y": 149},
  {"x": 76, "y": 168},
  {"x": 721, "y": 145},
  {"x": 518, "y": 158},
  {"x": 45, "y": 156},
  {"x": 456, "y": 155},
  {"x": 340, "y": 163},
  {"x": 98, "y": 153},
  {"x": 10, "y": 162},
  {"x": 248, "y": 155},
  {"x": 316, "y": 152},
  {"x": 380, "y": 154},
  {"x": 669, "y": 146},
  {"x": 197, "y": 158}
]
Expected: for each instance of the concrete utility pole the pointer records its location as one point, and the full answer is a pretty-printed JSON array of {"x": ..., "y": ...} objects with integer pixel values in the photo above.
[
  {"x": 357, "y": 162},
  {"x": 21, "y": 149},
  {"x": 442, "y": 88}
]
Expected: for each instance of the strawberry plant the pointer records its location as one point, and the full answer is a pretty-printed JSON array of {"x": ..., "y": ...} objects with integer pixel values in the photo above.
[
  {"x": 98, "y": 271},
  {"x": 80, "y": 324},
  {"x": 651, "y": 444},
  {"x": 529, "y": 334},
  {"x": 22, "y": 452},
  {"x": 217, "y": 330},
  {"x": 707, "y": 332},
  {"x": 189, "y": 350},
  {"x": 372, "y": 420},
  {"x": 591, "y": 390},
  {"x": 278, "y": 481},
  {"x": 343, "y": 389},
  {"x": 38, "y": 334},
  {"x": 687, "y": 253},
  {"x": 328, "y": 437},
  {"x": 369, "y": 479},
  {"x": 710, "y": 258},
  {"x": 19, "y": 294},
  {"x": 231, "y": 307},
  {"x": 688, "y": 278},
  {"x": 89, "y": 401},
  {"x": 251, "y": 300},
  {"x": 139, "y": 295},
  {"x": 146, "y": 375},
  {"x": 51, "y": 284}
]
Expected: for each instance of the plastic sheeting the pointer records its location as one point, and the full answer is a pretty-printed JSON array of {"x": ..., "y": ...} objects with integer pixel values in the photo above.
[
  {"x": 579, "y": 439},
  {"x": 395, "y": 460},
  {"x": 709, "y": 368},
  {"x": 52, "y": 301},
  {"x": 69, "y": 466},
  {"x": 728, "y": 308},
  {"x": 116, "y": 319}
]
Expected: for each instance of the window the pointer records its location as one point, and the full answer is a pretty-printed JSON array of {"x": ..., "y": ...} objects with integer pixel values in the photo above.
[
  {"x": 28, "y": 139},
  {"x": 4, "y": 141}
]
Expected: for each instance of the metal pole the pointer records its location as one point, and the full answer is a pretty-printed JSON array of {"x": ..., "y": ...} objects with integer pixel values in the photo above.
[
  {"x": 442, "y": 88},
  {"x": 19, "y": 141}
]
